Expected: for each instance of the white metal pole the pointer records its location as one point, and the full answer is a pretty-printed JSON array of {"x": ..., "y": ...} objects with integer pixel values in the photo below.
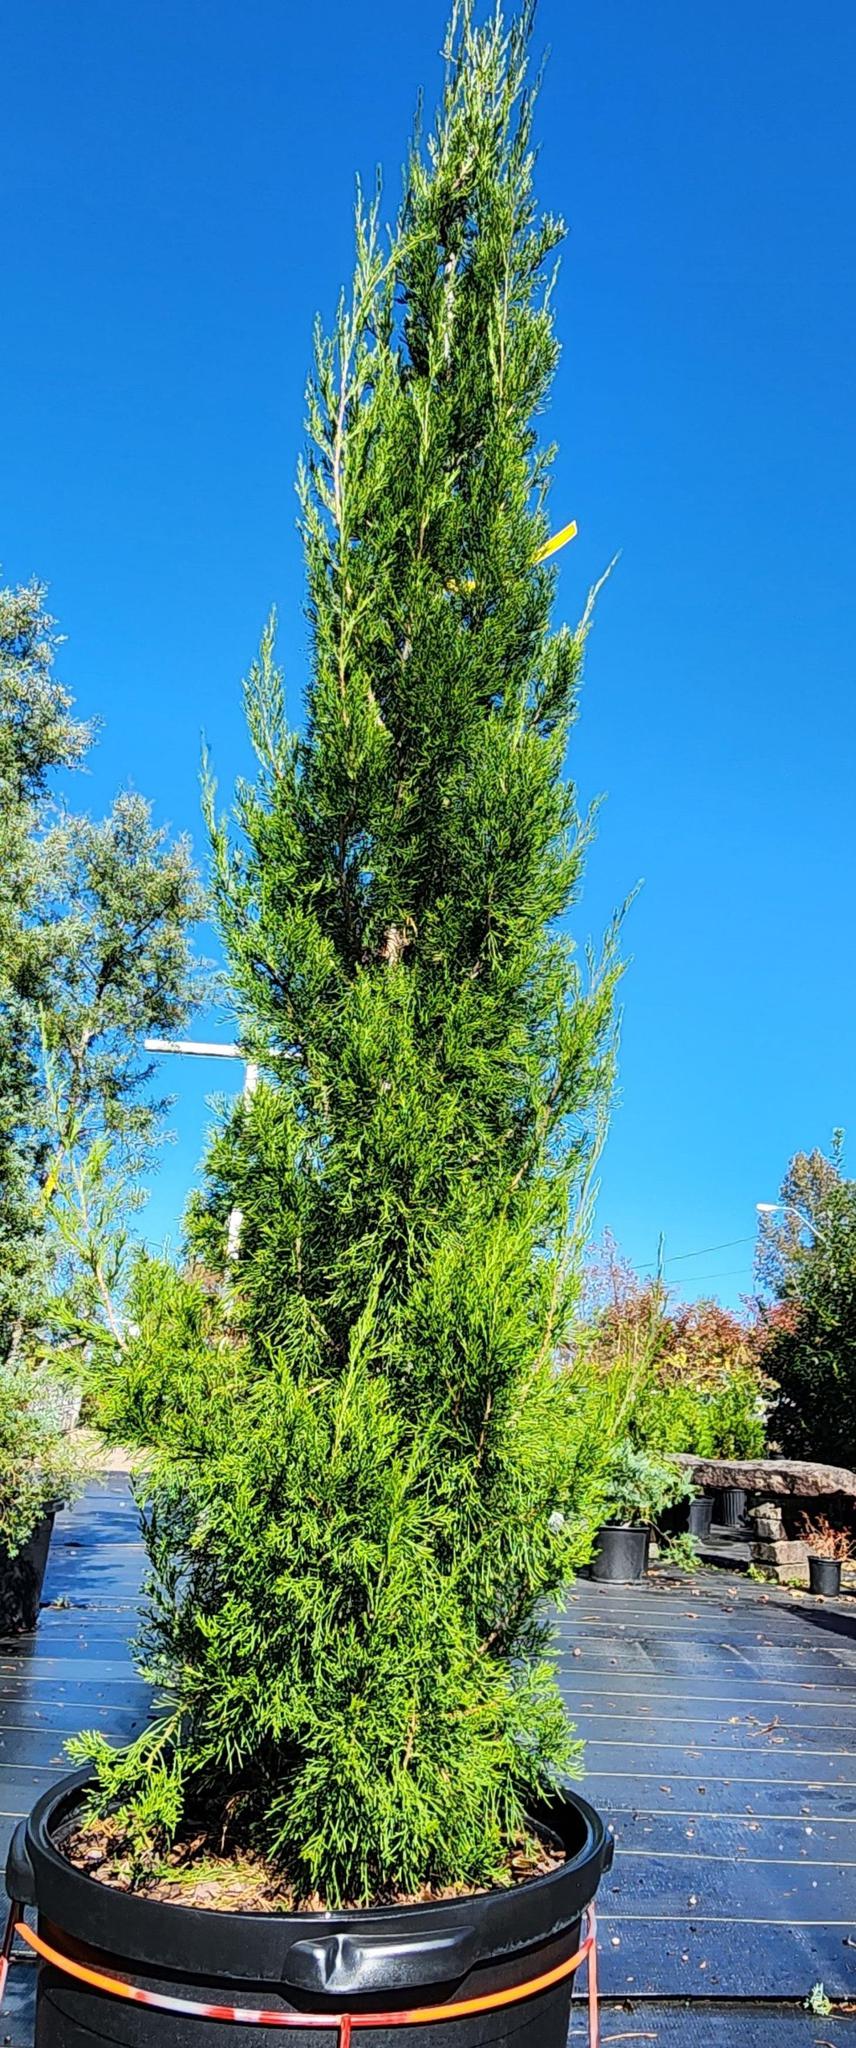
[
  {"x": 204, "y": 1049},
  {"x": 201, "y": 1047},
  {"x": 808, "y": 1222},
  {"x": 233, "y": 1239}
]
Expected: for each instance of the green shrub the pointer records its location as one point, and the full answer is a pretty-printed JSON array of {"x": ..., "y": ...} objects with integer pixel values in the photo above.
[
  {"x": 639, "y": 1485},
  {"x": 719, "y": 1419},
  {"x": 697, "y": 1383},
  {"x": 679, "y": 1553},
  {"x": 368, "y": 1473},
  {"x": 38, "y": 1462}
]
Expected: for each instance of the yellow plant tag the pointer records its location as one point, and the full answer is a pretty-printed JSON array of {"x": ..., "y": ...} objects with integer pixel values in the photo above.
[
  {"x": 558, "y": 540},
  {"x": 551, "y": 547}
]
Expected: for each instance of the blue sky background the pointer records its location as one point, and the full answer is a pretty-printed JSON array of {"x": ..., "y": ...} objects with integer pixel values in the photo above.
[{"x": 176, "y": 185}]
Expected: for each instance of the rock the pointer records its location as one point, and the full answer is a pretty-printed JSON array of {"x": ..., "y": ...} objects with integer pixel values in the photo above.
[
  {"x": 788, "y": 1560},
  {"x": 768, "y": 1522},
  {"x": 792, "y": 1574},
  {"x": 772, "y": 1476},
  {"x": 782, "y": 1553}
]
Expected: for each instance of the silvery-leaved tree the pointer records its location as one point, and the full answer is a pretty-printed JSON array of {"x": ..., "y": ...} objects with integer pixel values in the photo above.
[
  {"x": 369, "y": 1472},
  {"x": 38, "y": 737},
  {"x": 95, "y": 950}
]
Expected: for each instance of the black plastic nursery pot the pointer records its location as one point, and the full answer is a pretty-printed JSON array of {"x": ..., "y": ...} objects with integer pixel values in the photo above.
[
  {"x": 732, "y": 1506},
  {"x": 23, "y": 1576},
  {"x": 824, "y": 1575},
  {"x": 700, "y": 1515},
  {"x": 688, "y": 1518},
  {"x": 621, "y": 1553},
  {"x": 305, "y": 1971}
]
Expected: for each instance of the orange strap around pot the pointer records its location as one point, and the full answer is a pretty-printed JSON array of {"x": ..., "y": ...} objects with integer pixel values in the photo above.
[{"x": 345, "y": 2023}]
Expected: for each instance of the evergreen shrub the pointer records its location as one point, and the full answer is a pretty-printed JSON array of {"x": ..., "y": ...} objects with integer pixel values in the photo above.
[
  {"x": 640, "y": 1485},
  {"x": 368, "y": 1472}
]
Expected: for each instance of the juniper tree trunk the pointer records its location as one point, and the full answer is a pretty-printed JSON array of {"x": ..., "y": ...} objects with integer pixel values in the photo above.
[{"x": 388, "y": 1472}]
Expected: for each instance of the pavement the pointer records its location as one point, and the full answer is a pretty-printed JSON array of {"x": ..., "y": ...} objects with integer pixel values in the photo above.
[{"x": 720, "y": 1726}]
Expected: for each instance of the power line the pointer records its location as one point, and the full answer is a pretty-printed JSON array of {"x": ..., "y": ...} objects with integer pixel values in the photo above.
[
  {"x": 695, "y": 1279},
  {"x": 705, "y": 1251}
]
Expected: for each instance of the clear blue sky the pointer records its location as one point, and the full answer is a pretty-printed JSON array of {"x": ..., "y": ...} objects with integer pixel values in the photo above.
[{"x": 176, "y": 186}]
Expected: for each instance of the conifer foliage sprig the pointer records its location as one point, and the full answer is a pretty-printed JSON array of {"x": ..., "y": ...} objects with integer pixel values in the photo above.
[{"x": 369, "y": 1472}]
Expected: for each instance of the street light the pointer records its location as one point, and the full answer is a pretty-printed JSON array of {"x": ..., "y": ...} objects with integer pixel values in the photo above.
[
  {"x": 201, "y": 1049},
  {"x": 807, "y": 1222}
]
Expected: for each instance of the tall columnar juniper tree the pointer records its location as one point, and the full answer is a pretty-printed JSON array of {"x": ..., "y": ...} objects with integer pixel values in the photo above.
[{"x": 369, "y": 1472}]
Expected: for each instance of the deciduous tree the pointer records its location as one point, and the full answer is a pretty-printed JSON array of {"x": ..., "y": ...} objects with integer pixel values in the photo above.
[{"x": 808, "y": 1259}]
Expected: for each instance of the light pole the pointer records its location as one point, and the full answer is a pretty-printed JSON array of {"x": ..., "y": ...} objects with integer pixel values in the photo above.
[
  {"x": 808, "y": 1223},
  {"x": 201, "y": 1049}
]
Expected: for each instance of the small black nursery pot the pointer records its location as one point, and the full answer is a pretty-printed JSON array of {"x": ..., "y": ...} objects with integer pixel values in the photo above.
[
  {"x": 621, "y": 1555},
  {"x": 22, "y": 1578},
  {"x": 388, "y": 1960},
  {"x": 688, "y": 1518},
  {"x": 824, "y": 1575},
  {"x": 732, "y": 1506},
  {"x": 700, "y": 1516}
]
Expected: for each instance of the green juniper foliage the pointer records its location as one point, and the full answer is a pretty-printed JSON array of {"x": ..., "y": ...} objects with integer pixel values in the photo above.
[{"x": 368, "y": 1470}]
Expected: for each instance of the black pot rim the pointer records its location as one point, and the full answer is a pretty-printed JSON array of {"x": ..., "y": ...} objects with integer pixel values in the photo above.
[
  {"x": 636, "y": 1528},
  {"x": 202, "y": 1942}
]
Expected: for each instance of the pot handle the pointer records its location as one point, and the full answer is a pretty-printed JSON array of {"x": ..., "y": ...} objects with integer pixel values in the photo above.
[
  {"x": 20, "y": 1876},
  {"x": 354, "y": 1963}
]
